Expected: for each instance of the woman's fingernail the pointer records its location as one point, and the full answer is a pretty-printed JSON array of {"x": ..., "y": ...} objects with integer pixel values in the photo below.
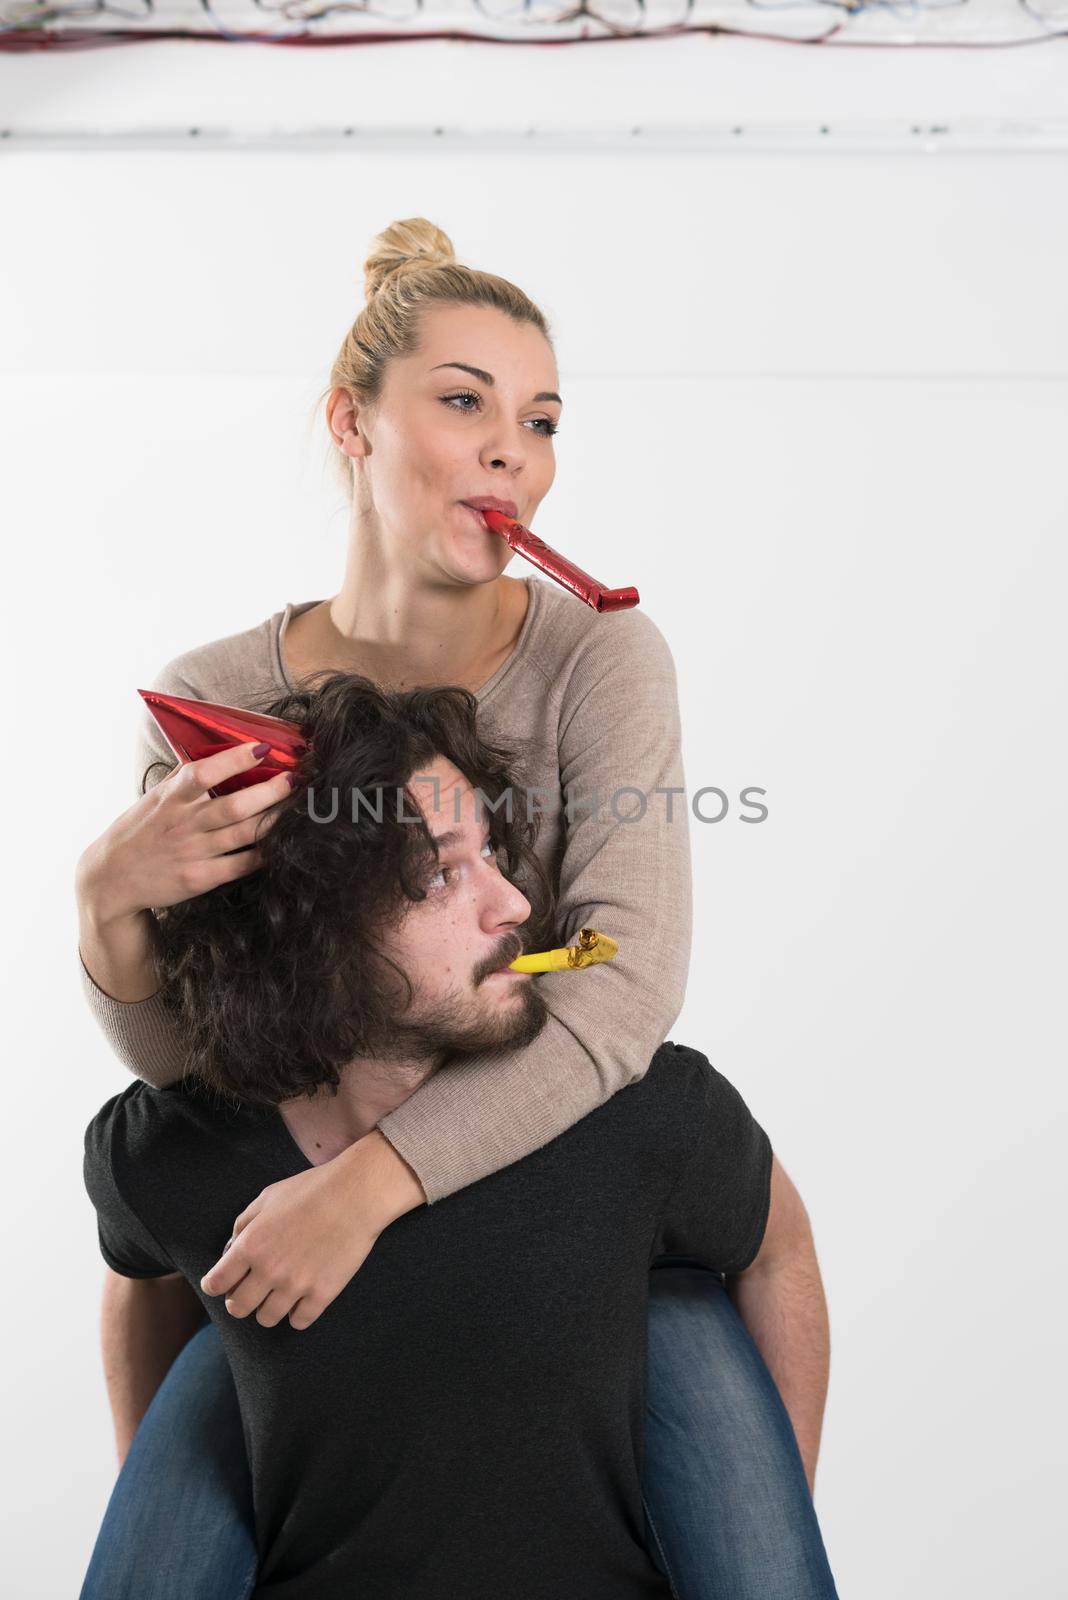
[
  {"x": 292, "y": 780},
  {"x": 260, "y": 749}
]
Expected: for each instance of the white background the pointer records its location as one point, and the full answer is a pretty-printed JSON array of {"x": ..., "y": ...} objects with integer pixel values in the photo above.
[{"x": 815, "y": 409}]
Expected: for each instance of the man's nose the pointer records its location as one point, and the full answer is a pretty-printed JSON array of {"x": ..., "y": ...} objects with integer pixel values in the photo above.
[{"x": 508, "y": 906}]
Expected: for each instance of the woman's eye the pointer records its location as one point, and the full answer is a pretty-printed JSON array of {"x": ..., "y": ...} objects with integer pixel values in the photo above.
[
  {"x": 545, "y": 426},
  {"x": 465, "y": 394}
]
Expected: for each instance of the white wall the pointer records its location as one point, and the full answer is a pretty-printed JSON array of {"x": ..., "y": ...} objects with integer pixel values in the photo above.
[{"x": 815, "y": 410}]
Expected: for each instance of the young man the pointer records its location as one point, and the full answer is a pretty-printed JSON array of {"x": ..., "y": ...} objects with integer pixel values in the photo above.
[{"x": 466, "y": 1417}]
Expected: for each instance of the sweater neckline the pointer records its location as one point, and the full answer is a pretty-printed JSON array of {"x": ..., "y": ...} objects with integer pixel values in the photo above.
[{"x": 281, "y": 620}]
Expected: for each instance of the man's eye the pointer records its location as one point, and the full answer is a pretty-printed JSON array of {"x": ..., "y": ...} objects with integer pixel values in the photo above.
[{"x": 443, "y": 874}]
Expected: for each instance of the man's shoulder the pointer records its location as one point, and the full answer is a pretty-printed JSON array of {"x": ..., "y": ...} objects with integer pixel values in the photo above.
[
  {"x": 644, "y": 1135},
  {"x": 665, "y": 1103},
  {"x": 680, "y": 1096},
  {"x": 167, "y": 1171},
  {"x": 136, "y": 1111},
  {"x": 678, "y": 1077},
  {"x": 145, "y": 1125}
]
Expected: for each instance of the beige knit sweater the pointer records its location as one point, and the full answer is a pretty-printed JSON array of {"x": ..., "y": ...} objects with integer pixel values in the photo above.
[{"x": 588, "y": 702}]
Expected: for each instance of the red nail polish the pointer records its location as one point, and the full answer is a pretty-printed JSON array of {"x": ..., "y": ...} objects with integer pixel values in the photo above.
[{"x": 260, "y": 749}]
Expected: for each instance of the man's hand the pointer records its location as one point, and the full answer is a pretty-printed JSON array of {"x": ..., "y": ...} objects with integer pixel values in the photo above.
[{"x": 303, "y": 1239}]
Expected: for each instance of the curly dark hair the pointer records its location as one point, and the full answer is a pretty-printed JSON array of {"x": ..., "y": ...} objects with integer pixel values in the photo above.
[{"x": 278, "y": 978}]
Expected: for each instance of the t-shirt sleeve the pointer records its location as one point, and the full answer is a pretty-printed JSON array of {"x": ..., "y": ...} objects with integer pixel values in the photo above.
[
  {"x": 718, "y": 1208},
  {"x": 126, "y": 1244}
]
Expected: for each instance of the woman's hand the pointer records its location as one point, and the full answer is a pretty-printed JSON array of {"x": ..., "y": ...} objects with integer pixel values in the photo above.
[
  {"x": 303, "y": 1239},
  {"x": 170, "y": 845}
]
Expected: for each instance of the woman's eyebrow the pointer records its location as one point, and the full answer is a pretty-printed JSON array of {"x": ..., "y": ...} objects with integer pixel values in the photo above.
[{"x": 487, "y": 378}]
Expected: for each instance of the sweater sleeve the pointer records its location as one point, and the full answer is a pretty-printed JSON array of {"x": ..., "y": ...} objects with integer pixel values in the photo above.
[
  {"x": 143, "y": 1034},
  {"x": 619, "y": 733}
]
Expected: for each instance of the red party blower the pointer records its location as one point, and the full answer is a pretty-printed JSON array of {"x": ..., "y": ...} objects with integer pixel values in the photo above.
[
  {"x": 557, "y": 566},
  {"x": 198, "y": 728}
]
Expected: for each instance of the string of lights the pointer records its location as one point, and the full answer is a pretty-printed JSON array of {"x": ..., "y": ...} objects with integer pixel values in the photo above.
[{"x": 87, "y": 24}]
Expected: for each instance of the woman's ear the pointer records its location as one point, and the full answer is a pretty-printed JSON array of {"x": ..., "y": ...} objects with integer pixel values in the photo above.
[{"x": 343, "y": 420}]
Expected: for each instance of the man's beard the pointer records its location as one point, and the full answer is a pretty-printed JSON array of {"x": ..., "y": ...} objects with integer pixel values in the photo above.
[{"x": 456, "y": 1027}]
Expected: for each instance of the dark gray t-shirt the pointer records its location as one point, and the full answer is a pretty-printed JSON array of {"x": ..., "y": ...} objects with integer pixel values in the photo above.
[{"x": 466, "y": 1418}]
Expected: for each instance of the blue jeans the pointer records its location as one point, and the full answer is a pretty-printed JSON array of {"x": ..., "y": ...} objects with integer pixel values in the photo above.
[{"x": 727, "y": 1507}]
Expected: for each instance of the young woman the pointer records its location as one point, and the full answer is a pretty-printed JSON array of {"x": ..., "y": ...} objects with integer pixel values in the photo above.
[{"x": 444, "y": 392}]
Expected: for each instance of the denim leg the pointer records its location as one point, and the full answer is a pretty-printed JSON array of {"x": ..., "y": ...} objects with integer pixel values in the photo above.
[
  {"x": 179, "y": 1521},
  {"x": 728, "y": 1511}
]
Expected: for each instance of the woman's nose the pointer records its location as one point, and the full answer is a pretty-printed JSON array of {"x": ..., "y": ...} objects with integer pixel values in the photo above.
[{"x": 506, "y": 448}]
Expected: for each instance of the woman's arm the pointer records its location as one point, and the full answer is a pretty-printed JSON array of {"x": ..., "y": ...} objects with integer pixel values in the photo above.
[
  {"x": 171, "y": 843},
  {"x": 619, "y": 731},
  {"x": 119, "y": 950},
  {"x": 619, "y": 728},
  {"x": 142, "y": 1033},
  {"x": 115, "y": 952}
]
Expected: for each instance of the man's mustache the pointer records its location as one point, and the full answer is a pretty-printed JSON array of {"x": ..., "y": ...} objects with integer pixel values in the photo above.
[{"x": 510, "y": 949}]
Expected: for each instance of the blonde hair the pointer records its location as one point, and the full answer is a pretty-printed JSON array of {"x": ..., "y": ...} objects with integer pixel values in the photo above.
[{"x": 412, "y": 266}]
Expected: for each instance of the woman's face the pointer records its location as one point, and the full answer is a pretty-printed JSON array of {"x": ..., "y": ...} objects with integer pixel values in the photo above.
[{"x": 439, "y": 435}]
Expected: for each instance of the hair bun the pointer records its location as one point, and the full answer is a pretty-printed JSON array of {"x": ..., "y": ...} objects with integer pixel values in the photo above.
[{"x": 413, "y": 243}]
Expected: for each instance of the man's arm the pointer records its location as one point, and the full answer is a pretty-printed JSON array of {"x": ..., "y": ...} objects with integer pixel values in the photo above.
[
  {"x": 145, "y": 1323},
  {"x": 780, "y": 1299}
]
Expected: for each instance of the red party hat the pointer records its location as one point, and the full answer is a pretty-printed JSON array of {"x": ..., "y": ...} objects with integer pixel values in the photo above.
[{"x": 198, "y": 728}]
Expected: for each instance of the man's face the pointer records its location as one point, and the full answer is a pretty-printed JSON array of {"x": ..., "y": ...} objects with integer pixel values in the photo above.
[{"x": 453, "y": 944}]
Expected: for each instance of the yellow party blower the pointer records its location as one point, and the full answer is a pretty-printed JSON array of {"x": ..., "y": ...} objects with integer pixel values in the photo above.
[{"x": 591, "y": 948}]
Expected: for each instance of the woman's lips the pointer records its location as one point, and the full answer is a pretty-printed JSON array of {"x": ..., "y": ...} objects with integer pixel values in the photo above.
[{"x": 489, "y": 502}]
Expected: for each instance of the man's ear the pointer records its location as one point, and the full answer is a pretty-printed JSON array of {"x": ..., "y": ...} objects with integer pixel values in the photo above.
[{"x": 788, "y": 1229}]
